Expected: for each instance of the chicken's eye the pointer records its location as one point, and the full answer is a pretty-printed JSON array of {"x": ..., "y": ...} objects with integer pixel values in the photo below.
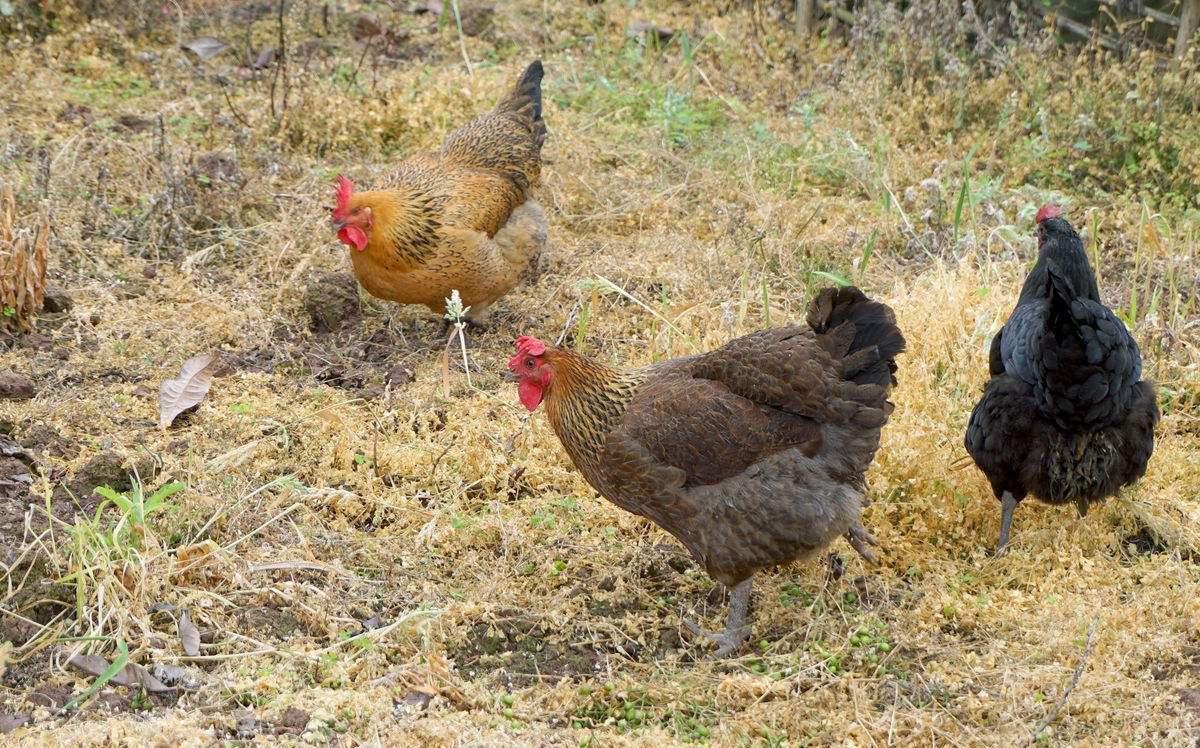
[{"x": 529, "y": 363}]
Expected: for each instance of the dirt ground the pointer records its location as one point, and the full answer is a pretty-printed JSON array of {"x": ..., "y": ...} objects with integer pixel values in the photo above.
[{"x": 374, "y": 548}]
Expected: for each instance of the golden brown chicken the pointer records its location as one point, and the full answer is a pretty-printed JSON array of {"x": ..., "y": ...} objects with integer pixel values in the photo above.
[{"x": 461, "y": 219}]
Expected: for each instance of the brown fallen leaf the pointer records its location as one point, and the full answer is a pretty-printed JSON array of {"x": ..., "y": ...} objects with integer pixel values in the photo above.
[
  {"x": 189, "y": 636},
  {"x": 131, "y": 675},
  {"x": 429, "y": 6},
  {"x": 645, "y": 31},
  {"x": 187, "y": 390},
  {"x": 10, "y": 722},
  {"x": 264, "y": 59},
  {"x": 205, "y": 47}
]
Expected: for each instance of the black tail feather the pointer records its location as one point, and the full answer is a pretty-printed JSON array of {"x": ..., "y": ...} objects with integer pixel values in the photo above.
[
  {"x": 870, "y": 356},
  {"x": 526, "y": 100}
]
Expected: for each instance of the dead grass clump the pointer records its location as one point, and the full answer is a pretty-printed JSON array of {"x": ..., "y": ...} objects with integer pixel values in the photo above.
[{"x": 24, "y": 253}]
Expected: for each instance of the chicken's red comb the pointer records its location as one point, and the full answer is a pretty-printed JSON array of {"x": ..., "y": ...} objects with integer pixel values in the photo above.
[
  {"x": 1049, "y": 210},
  {"x": 530, "y": 345},
  {"x": 345, "y": 188}
]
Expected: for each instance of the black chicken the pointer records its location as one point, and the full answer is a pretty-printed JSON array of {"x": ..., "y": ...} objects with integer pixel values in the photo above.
[{"x": 1065, "y": 415}]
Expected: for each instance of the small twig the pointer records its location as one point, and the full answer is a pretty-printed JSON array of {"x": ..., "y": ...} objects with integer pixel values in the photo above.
[
  {"x": 462, "y": 42},
  {"x": 363, "y": 56},
  {"x": 571, "y": 315},
  {"x": 1083, "y": 660},
  {"x": 236, "y": 114},
  {"x": 281, "y": 70}
]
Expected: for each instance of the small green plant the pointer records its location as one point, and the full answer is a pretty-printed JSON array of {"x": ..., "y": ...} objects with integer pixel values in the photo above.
[{"x": 135, "y": 507}]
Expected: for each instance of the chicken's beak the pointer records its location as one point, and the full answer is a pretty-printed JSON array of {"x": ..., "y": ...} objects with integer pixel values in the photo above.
[
  {"x": 338, "y": 225},
  {"x": 510, "y": 376}
]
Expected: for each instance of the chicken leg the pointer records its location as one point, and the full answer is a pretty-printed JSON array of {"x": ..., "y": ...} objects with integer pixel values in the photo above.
[
  {"x": 1008, "y": 503},
  {"x": 861, "y": 540},
  {"x": 736, "y": 632}
]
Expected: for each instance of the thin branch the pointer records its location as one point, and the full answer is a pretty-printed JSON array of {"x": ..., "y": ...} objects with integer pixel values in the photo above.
[
  {"x": 281, "y": 70},
  {"x": 1083, "y": 660},
  {"x": 462, "y": 42},
  {"x": 236, "y": 114}
]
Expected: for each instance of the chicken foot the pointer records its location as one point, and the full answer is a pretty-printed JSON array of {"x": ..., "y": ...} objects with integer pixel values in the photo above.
[
  {"x": 861, "y": 540},
  {"x": 736, "y": 631},
  {"x": 1008, "y": 503}
]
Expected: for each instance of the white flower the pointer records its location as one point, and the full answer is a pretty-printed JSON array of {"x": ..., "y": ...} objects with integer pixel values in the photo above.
[{"x": 455, "y": 311}]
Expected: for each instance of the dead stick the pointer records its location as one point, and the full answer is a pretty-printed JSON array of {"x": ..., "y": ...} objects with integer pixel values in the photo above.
[{"x": 1083, "y": 660}]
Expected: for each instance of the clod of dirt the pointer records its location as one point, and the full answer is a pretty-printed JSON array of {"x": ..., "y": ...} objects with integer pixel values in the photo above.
[
  {"x": 399, "y": 375},
  {"x": 12, "y": 469},
  {"x": 43, "y": 439},
  {"x": 476, "y": 19},
  {"x": 331, "y": 300},
  {"x": 366, "y": 26},
  {"x": 372, "y": 392},
  {"x": 1190, "y": 697},
  {"x": 50, "y": 695},
  {"x": 73, "y": 112},
  {"x": 412, "y": 702},
  {"x": 14, "y": 386},
  {"x": 37, "y": 342},
  {"x": 291, "y": 722},
  {"x": 149, "y": 272},
  {"x": 214, "y": 168},
  {"x": 245, "y": 725},
  {"x": 15, "y": 451},
  {"x": 56, "y": 301},
  {"x": 134, "y": 122},
  {"x": 110, "y": 702},
  {"x": 110, "y": 469}
]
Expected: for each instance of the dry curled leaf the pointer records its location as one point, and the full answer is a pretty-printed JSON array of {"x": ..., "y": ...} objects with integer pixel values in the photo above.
[
  {"x": 131, "y": 675},
  {"x": 188, "y": 389},
  {"x": 205, "y": 47},
  {"x": 189, "y": 636}
]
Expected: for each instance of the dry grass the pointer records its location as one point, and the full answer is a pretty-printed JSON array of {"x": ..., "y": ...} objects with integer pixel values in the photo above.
[{"x": 709, "y": 179}]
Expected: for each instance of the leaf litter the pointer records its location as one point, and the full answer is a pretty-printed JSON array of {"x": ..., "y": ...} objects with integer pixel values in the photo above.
[{"x": 186, "y": 391}]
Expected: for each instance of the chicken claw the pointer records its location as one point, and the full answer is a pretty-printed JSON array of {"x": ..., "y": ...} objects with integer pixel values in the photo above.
[
  {"x": 860, "y": 540},
  {"x": 736, "y": 631}
]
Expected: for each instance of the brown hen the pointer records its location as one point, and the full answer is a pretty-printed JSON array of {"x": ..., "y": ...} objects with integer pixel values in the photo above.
[
  {"x": 461, "y": 219},
  {"x": 752, "y": 455}
]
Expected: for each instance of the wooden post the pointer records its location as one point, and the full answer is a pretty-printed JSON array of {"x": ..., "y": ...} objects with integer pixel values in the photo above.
[
  {"x": 804, "y": 18},
  {"x": 1188, "y": 21}
]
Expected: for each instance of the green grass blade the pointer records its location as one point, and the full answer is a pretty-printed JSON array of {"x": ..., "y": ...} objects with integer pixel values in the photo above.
[
  {"x": 109, "y": 673},
  {"x": 835, "y": 278},
  {"x": 604, "y": 284},
  {"x": 962, "y": 201},
  {"x": 162, "y": 494},
  {"x": 868, "y": 253}
]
